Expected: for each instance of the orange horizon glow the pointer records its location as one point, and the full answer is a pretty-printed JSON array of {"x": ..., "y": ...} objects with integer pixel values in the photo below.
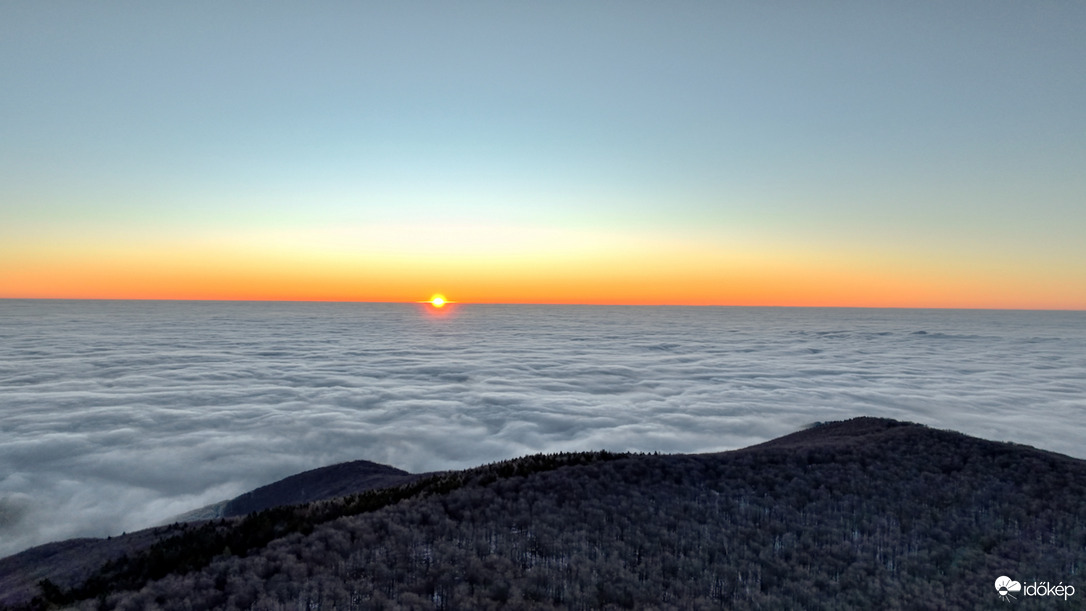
[
  {"x": 739, "y": 300},
  {"x": 738, "y": 296},
  {"x": 667, "y": 276}
]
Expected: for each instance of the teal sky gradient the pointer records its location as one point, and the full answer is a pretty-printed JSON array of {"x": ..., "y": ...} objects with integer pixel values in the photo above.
[{"x": 941, "y": 131}]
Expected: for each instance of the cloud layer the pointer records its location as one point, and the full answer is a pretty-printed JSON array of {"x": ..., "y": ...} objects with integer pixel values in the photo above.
[{"x": 117, "y": 415}]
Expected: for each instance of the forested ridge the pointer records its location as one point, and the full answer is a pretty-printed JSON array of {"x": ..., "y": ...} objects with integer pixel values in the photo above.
[{"x": 867, "y": 513}]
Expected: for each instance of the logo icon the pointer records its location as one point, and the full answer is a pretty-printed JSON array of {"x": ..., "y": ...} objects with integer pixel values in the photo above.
[{"x": 1005, "y": 585}]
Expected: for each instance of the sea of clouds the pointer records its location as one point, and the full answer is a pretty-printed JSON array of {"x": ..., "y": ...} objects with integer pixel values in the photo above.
[{"x": 115, "y": 416}]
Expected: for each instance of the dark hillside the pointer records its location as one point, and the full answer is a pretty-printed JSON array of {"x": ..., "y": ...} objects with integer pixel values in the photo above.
[
  {"x": 864, "y": 514},
  {"x": 69, "y": 563}
]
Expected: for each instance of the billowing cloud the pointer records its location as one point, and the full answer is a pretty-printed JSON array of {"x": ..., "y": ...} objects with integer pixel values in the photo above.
[{"x": 119, "y": 415}]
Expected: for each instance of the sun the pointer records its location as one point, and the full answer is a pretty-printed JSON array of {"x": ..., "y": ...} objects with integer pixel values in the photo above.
[{"x": 437, "y": 301}]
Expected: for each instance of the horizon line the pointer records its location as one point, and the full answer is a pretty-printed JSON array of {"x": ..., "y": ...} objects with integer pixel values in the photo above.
[{"x": 556, "y": 303}]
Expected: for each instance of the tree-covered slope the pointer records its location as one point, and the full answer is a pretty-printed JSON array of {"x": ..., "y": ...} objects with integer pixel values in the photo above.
[{"x": 865, "y": 514}]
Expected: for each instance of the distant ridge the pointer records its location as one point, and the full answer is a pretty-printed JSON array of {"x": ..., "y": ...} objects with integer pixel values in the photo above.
[
  {"x": 855, "y": 430},
  {"x": 864, "y": 513},
  {"x": 318, "y": 484}
]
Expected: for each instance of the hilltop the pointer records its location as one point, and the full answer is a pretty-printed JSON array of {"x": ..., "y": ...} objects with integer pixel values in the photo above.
[{"x": 866, "y": 513}]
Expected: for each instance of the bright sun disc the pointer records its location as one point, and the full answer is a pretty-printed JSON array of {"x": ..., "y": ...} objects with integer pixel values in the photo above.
[{"x": 437, "y": 301}]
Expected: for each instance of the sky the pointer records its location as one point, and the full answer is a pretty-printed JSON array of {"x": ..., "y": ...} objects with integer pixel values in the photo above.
[{"x": 919, "y": 154}]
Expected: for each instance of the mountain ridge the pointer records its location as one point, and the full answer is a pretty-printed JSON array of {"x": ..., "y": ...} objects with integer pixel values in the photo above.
[{"x": 917, "y": 498}]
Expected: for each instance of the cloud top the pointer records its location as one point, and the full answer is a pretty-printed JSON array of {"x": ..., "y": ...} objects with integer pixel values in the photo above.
[{"x": 117, "y": 415}]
